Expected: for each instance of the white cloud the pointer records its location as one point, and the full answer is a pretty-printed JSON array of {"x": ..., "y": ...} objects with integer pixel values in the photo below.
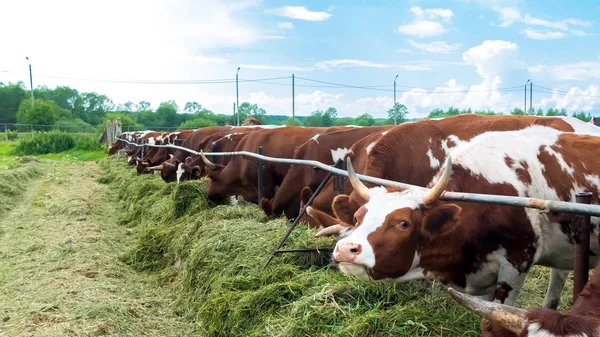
[
  {"x": 345, "y": 63},
  {"x": 571, "y": 71},
  {"x": 426, "y": 22},
  {"x": 208, "y": 59},
  {"x": 510, "y": 15},
  {"x": 422, "y": 28},
  {"x": 300, "y": 13},
  {"x": 402, "y": 50},
  {"x": 543, "y": 34},
  {"x": 415, "y": 67},
  {"x": 273, "y": 67},
  {"x": 433, "y": 13},
  {"x": 435, "y": 46},
  {"x": 575, "y": 99},
  {"x": 285, "y": 25}
]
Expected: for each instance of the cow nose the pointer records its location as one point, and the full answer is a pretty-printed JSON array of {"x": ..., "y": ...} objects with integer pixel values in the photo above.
[{"x": 347, "y": 251}]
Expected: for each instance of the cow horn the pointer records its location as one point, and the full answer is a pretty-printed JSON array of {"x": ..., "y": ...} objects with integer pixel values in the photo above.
[
  {"x": 207, "y": 162},
  {"x": 334, "y": 230},
  {"x": 170, "y": 165},
  {"x": 170, "y": 156},
  {"x": 358, "y": 186},
  {"x": 155, "y": 168},
  {"x": 437, "y": 189},
  {"x": 508, "y": 317}
]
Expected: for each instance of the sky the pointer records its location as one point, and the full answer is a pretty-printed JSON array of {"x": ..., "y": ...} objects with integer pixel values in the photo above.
[{"x": 343, "y": 53}]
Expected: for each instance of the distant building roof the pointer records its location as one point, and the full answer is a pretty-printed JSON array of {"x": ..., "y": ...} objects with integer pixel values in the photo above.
[{"x": 595, "y": 121}]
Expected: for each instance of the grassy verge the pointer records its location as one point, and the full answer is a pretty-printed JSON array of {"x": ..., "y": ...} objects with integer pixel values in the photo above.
[
  {"x": 60, "y": 273},
  {"x": 214, "y": 257}
]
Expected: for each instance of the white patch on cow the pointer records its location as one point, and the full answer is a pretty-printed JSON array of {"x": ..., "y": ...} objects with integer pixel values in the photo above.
[
  {"x": 433, "y": 161},
  {"x": 233, "y": 201},
  {"x": 370, "y": 147},
  {"x": 179, "y": 172},
  {"x": 535, "y": 330},
  {"x": 381, "y": 203},
  {"x": 315, "y": 138},
  {"x": 354, "y": 126},
  {"x": 414, "y": 273},
  {"x": 563, "y": 164},
  {"x": 150, "y": 141},
  {"x": 339, "y": 153},
  {"x": 260, "y": 126},
  {"x": 384, "y": 133},
  {"x": 452, "y": 138}
]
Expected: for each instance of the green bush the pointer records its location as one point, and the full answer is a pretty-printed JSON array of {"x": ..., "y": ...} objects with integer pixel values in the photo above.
[
  {"x": 73, "y": 125},
  {"x": 55, "y": 142},
  {"x": 13, "y": 134}
]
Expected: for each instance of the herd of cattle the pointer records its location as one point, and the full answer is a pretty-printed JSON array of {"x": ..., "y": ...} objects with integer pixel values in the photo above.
[{"x": 387, "y": 233}]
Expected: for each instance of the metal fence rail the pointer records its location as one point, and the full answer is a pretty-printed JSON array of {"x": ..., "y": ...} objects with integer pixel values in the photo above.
[{"x": 551, "y": 205}]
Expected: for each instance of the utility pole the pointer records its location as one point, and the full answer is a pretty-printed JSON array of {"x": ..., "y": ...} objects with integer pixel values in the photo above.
[
  {"x": 30, "y": 80},
  {"x": 293, "y": 100},
  {"x": 234, "y": 109},
  {"x": 525, "y": 107},
  {"x": 531, "y": 96},
  {"x": 237, "y": 96},
  {"x": 395, "y": 121}
]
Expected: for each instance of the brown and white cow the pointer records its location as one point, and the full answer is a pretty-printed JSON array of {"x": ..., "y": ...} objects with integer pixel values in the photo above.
[
  {"x": 239, "y": 176},
  {"x": 145, "y": 137},
  {"x": 320, "y": 213},
  {"x": 157, "y": 155},
  {"x": 327, "y": 149},
  {"x": 583, "y": 319},
  {"x": 480, "y": 249}
]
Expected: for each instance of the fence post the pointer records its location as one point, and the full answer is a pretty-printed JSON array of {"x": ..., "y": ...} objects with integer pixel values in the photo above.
[
  {"x": 259, "y": 167},
  {"x": 582, "y": 229},
  {"x": 32, "y": 135},
  {"x": 338, "y": 181},
  {"x": 6, "y": 131}
]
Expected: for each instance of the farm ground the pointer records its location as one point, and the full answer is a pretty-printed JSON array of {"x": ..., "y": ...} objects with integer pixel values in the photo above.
[{"x": 60, "y": 273}]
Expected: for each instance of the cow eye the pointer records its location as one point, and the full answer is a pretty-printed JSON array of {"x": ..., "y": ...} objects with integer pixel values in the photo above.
[
  {"x": 354, "y": 220},
  {"x": 404, "y": 224}
]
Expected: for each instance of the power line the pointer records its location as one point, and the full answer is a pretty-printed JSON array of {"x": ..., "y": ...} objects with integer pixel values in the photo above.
[{"x": 552, "y": 91}]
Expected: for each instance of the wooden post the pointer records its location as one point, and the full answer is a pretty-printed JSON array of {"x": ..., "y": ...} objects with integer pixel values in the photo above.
[
  {"x": 32, "y": 135},
  {"x": 6, "y": 131},
  {"x": 582, "y": 228}
]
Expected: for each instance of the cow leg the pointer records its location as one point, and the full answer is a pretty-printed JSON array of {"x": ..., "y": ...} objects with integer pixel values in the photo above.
[
  {"x": 508, "y": 285},
  {"x": 555, "y": 288}
]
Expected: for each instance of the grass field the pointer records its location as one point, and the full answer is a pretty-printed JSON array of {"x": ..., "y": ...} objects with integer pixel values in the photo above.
[{"x": 93, "y": 249}]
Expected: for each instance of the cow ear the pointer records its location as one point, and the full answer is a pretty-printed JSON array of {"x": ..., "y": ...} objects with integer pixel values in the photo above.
[
  {"x": 305, "y": 195},
  {"x": 344, "y": 208},
  {"x": 440, "y": 218},
  {"x": 188, "y": 160}
]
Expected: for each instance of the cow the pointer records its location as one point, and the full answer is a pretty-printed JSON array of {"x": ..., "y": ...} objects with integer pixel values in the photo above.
[
  {"x": 327, "y": 148},
  {"x": 320, "y": 213},
  {"x": 193, "y": 167},
  {"x": 420, "y": 160},
  {"x": 480, "y": 249},
  {"x": 583, "y": 319},
  {"x": 157, "y": 155},
  {"x": 239, "y": 176},
  {"x": 145, "y": 137}
]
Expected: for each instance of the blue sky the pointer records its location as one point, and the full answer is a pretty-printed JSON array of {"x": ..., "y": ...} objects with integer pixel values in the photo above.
[{"x": 463, "y": 53}]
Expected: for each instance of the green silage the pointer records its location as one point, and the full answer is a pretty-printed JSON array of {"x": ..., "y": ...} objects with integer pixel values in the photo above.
[
  {"x": 214, "y": 257},
  {"x": 13, "y": 182}
]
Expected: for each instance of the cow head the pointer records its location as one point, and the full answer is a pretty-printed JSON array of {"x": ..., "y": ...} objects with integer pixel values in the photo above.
[
  {"x": 191, "y": 169},
  {"x": 142, "y": 165},
  {"x": 217, "y": 182},
  {"x": 391, "y": 226}
]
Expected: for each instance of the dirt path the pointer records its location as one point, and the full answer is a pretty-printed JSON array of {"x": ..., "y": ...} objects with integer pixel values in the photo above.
[{"x": 59, "y": 269}]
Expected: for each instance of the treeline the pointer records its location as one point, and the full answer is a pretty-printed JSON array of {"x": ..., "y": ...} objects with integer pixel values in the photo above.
[{"x": 65, "y": 107}]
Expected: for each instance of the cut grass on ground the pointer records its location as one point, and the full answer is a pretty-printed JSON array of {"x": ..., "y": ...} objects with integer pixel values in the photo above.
[
  {"x": 214, "y": 257},
  {"x": 60, "y": 273}
]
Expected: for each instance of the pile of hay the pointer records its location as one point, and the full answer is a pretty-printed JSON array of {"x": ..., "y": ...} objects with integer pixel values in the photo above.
[
  {"x": 214, "y": 256},
  {"x": 13, "y": 182}
]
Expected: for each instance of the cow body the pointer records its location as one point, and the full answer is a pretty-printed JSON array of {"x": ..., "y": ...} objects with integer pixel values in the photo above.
[
  {"x": 485, "y": 250},
  {"x": 239, "y": 176},
  {"x": 157, "y": 155},
  {"x": 327, "y": 149}
]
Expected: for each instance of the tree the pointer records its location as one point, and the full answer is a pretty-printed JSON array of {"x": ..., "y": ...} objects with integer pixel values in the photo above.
[
  {"x": 586, "y": 117},
  {"x": 94, "y": 107},
  {"x": 292, "y": 122},
  {"x": 42, "y": 112},
  {"x": 315, "y": 119},
  {"x": 365, "y": 120},
  {"x": 517, "y": 111},
  {"x": 192, "y": 107},
  {"x": 556, "y": 112},
  {"x": 397, "y": 114},
  {"x": 128, "y": 106},
  {"x": 143, "y": 106},
  {"x": 329, "y": 116},
  {"x": 344, "y": 121},
  {"x": 126, "y": 120},
  {"x": 11, "y": 96},
  {"x": 539, "y": 112},
  {"x": 166, "y": 114},
  {"x": 252, "y": 110},
  {"x": 197, "y": 123}
]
